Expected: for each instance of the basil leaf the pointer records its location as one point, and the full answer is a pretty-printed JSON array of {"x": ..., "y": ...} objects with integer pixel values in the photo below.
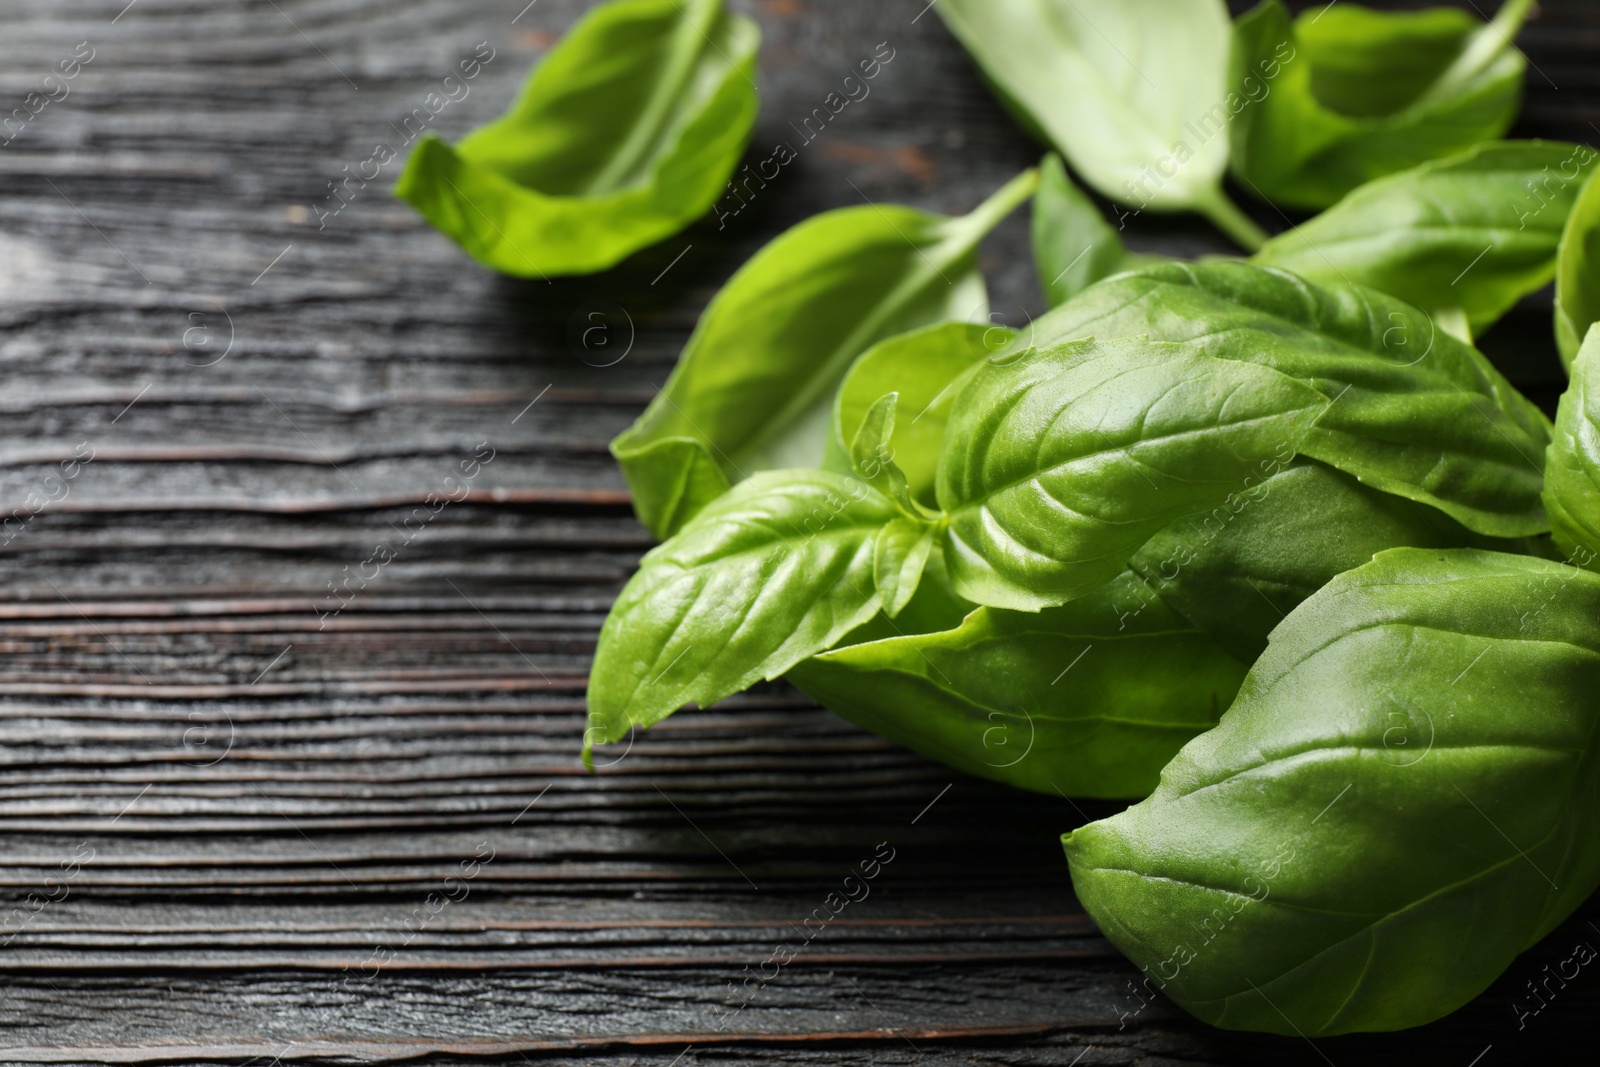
[
  {"x": 1059, "y": 463},
  {"x": 1401, "y": 800},
  {"x": 624, "y": 134},
  {"x": 1347, "y": 94},
  {"x": 1572, "y": 466},
  {"x": 1114, "y": 85},
  {"x": 1235, "y": 571},
  {"x": 1578, "y": 273},
  {"x": 778, "y": 569},
  {"x": 1089, "y": 699},
  {"x": 1464, "y": 233},
  {"x": 752, "y": 390},
  {"x": 1414, "y": 411},
  {"x": 1073, "y": 245},
  {"x": 923, "y": 366},
  {"x": 1094, "y": 697}
]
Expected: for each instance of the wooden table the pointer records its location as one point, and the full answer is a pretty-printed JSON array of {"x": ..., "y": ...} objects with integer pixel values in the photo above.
[{"x": 237, "y": 825}]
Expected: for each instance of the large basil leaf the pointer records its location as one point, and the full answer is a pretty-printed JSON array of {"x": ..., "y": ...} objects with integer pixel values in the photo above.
[
  {"x": 1116, "y": 86},
  {"x": 1404, "y": 796},
  {"x": 624, "y": 134},
  {"x": 1094, "y": 697},
  {"x": 1572, "y": 478},
  {"x": 1462, "y": 234},
  {"x": 1578, "y": 272},
  {"x": 1235, "y": 571},
  {"x": 1089, "y": 699},
  {"x": 922, "y": 367},
  {"x": 753, "y": 388},
  {"x": 1059, "y": 463},
  {"x": 777, "y": 569},
  {"x": 1073, "y": 245},
  {"x": 1347, "y": 94},
  {"x": 1414, "y": 411}
]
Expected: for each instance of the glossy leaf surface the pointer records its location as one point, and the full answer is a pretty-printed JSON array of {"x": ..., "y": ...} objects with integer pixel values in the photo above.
[
  {"x": 753, "y": 389},
  {"x": 1059, "y": 463},
  {"x": 1413, "y": 411},
  {"x": 1346, "y": 94},
  {"x": 1404, "y": 796},
  {"x": 777, "y": 569},
  {"x": 1474, "y": 233},
  {"x": 624, "y": 134},
  {"x": 1090, "y": 699}
]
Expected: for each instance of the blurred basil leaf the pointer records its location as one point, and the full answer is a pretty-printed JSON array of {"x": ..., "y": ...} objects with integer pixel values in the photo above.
[
  {"x": 1572, "y": 478},
  {"x": 1117, "y": 86},
  {"x": 1475, "y": 232},
  {"x": 1578, "y": 273},
  {"x": 1346, "y": 94},
  {"x": 1073, "y": 245},
  {"x": 753, "y": 388},
  {"x": 624, "y": 134}
]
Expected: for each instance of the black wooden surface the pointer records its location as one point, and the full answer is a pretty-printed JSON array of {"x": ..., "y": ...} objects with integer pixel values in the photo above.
[{"x": 232, "y": 829}]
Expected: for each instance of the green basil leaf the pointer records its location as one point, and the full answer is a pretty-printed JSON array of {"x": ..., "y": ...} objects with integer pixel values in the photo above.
[
  {"x": 1414, "y": 411},
  {"x": 753, "y": 388},
  {"x": 624, "y": 134},
  {"x": 1235, "y": 571},
  {"x": 1114, "y": 84},
  {"x": 1089, "y": 699},
  {"x": 1073, "y": 245},
  {"x": 779, "y": 568},
  {"x": 1094, "y": 697},
  {"x": 1578, "y": 273},
  {"x": 1476, "y": 232},
  {"x": 923, "y": 366},
  {"x": 1402, "y": 798},
  {"x": 1572, "y": 466},
  {"x": 1347, "y": 94},
  {"x": 1059, "y": 463}
]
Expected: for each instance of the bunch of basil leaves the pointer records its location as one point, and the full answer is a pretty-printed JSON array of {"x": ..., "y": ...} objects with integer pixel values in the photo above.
[{"x": 1266, "y": 542}]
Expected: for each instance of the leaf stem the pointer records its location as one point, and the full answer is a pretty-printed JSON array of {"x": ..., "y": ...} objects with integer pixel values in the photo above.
[{"x": 1228, "y": 218}]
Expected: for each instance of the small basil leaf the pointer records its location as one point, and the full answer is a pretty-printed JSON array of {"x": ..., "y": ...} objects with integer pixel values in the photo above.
[
  {"x": 624, "y": 134},
  {"x": 777, "y": 569},
  {"x": 1464, "y": 232},
  {"x": 753, "y": 388},
  {"x": 1572, "y": 479},
  {"x": 1113, "y": 84},
  {"x": 1347, "y": 94},
  {"x": 1073, "y": 245},
  {"x": 924, "y": 367},
  {"x": 899, "y": 558},
  {"x": 1578, "y": 273},
  {"x": 1058, "y": 464},
  {"x": 1089, "y": 699},
  {"x": 1414, "y": 411},
  {"x": 1402, "y": 799}
]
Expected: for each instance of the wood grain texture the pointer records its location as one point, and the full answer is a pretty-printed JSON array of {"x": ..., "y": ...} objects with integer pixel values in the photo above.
[{"x": 238, "y": 826}]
